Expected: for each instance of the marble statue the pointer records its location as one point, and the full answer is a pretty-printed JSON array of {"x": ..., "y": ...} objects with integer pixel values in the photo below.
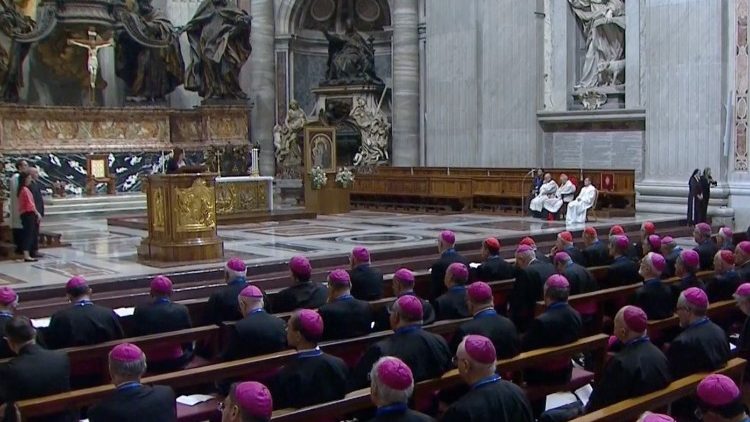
[
  {"x": 219, "y": 36},
  {"x": 149, "y": 73},
  {"x": 375, "y": 132},
  {"x": 13, "y": 23},
  {"x": 603, "y": 25},
  {"x": 351, "y": 59},
  {"x": 288, "y": 153}
]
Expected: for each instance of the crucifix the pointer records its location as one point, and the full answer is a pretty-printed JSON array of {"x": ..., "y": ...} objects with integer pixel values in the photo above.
[{"x": 92, "y": 45}]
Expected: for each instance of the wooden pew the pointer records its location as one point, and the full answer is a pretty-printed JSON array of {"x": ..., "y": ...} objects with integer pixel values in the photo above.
[
  {"x": 631, "y": 409},
  {"x": 360, "y": 399},
  {"x": 716, "y": 311}
]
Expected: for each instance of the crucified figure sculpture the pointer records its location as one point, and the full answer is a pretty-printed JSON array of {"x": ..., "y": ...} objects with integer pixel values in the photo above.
[{"x": 92, "y": 45}]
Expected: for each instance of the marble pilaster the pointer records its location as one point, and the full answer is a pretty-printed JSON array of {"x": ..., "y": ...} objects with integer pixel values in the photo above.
[
  {"x": 405, "y": 83},
  {"x": 263, "y": 81},
  {"x": 632, "y": 54}
]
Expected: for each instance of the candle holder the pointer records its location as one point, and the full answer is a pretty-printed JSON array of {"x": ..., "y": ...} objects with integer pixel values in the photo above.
[{"x": 254, "y": 169}]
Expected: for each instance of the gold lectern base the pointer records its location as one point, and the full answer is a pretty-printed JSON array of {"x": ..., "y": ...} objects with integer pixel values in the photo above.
[{"x": 150, "y": 251}]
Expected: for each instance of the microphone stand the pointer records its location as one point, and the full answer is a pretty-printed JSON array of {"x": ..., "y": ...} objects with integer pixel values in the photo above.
[{"x": 523, "y": 191}]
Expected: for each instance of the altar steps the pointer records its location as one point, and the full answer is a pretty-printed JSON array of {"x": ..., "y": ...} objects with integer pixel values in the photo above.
[{"x": 101, "y": 206}]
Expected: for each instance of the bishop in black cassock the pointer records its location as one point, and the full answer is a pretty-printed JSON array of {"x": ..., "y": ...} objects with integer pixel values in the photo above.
[{"x": 452, "y": 303}]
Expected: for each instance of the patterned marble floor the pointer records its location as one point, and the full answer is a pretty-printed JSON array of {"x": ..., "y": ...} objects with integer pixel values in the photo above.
[{"x": 101, "y": 252}]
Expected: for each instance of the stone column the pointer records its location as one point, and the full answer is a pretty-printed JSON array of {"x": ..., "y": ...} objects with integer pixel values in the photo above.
[
  {"x": 263, "y": 81},
  {"x": 633, "y": 54},
  {"x": 405, "y": 83}
]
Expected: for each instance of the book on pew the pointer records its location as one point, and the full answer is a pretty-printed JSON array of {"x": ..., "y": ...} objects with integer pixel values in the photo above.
[{"x": 194, "y": 399}]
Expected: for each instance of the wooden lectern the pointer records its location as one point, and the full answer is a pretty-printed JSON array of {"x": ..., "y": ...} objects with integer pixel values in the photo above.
[{"x": 181, "y": 219}]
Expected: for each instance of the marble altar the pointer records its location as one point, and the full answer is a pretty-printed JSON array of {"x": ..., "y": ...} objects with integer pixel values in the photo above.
[{"x": 243, "y": 194}]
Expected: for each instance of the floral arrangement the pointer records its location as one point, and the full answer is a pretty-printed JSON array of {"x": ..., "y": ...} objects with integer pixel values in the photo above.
[
  {"x": 345, "y": 178},
  {"x": 319, "y": 178}
]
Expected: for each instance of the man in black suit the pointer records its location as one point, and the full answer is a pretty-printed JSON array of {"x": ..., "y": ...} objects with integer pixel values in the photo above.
[
  {"x": 726, "y": 281},
  {"x": 304, "y": 293},
  {"x": 487, "y": 323},
  {"x": 313, "y": 377},
  {"x": 558, "y": 325},
  {"x": 367, "y": 283},
  {"x": 427, "y": 354},
  {"x": 493, "y": 266},
  {"x": 258, "y": 332},
  {"x": 622, "y": 270},
  {"x": 446, "y": 248},
  {"x": 36, "y": 192},
  {"x": 133, "y": 401},
  {"x": 638, "y": 368},
  {"x": 161, "y": 316},
  {"x": 564, "y": 243},
  {"x": 706, "y": 246},
  {"x": 528, "y": 287},
  {"x": 655, "y": 297},
  {"x": 670, "y": 251},
  {"x": 344, "y": 316},
  {"x": 391, "y": 385},
  {"x": 35, "y": 371},
  {"x": 452, "y": 303},
  {"x": 222, "y": 304},
  {"x": 85, "y": 323},
  {"x": 247, "y": 401},
  {"x": 742, "y": 260},
  {"x": 403, "y": 285},
  {"x": 595, "y": 251},
  {"x": 8, "y": 304}
]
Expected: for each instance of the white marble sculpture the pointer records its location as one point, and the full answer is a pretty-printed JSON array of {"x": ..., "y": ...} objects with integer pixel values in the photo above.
[
  {"x": 288, "y": 152},
  {"x": 603, "y": 25},
  {"x": 375, "y": 132}
]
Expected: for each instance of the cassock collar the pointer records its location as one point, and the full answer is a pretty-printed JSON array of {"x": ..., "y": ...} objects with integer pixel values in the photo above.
[
  {"x": 697, "y": 323},
  {"x": 556, "y": 305},
  {"x": 457, "y": 288},
  {"x": 343, "y": 297},
  {"x": 493, "y": 257},
  {"x": 237, "y": 281},
  {"x": 449, "y": 251},
  {"x": 621, "y": 257},
  {"x": 391, "y": 409},
  {"x": 125, "y": 386},
  {"x": 484, "y": 313},
  {"x": 83, "y": 302},
  {"x": 6, "y": 314},
  {"x": 652, "y": 282},
  {"x": 162, "y": 301},
  {"x": 637, "y": 340},
  {"x": 485, "y": 381},
  {"x": 407, "y": 329},
  {"x": 309, "y": 353},
  {"x": 255, "y": 311}
]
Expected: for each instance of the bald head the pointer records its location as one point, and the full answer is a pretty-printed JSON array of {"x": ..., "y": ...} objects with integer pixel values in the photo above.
[{"x": 547, "y": 177}]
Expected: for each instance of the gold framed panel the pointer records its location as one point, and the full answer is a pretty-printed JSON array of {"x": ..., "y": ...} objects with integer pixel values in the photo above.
[
  {"x": 159, "y": 209},
  {"x": 195, "y": 207},
  {"x": 320, "y": 148}
]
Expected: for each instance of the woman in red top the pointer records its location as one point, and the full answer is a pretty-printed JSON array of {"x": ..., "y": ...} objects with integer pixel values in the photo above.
[{"x": 29, "y": 215}]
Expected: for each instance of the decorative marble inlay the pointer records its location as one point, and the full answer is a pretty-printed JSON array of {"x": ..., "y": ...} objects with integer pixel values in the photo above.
[
  {"x": 72, "y": 268},
  {"x": 741, "y": 87},
  {"x": 374, "y": 239}
]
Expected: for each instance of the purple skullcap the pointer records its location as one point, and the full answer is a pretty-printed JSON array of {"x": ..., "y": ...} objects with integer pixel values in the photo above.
[
  {"x": 300, "y": 266},
  {"x": 703, "y": 228},
  {"x": 696, "y": 297},
  {"x": 561, "y": 257},
  {"x": 76, "y": 283},
  {"x": 635, "y": 318},
  {"x": 339, "y": 277},
  {"x": 237, "y": 265},
  {"x": 310, "y": 322},
  {"x": 557, "y": 281},
  {"x": 361, "y": 254},
  {"x": 654, "y": 241},
  {"x": 744, "y": 246},
  {"x": 458, "y": 271},
  {"x": 126, "y": 352},
  {"x": 616, "y": 230},
  {"x": 479, "y": 292},
  {"x": 566, "y": 236},
  {"x": 404, "y": 276},
  {"x": 657, "y": 417},
  {"x": 690, "y": 259},
  {"x": 667, "y": 240},
  {"x": 252, "y": 292},
  {"x": 726, "y": 256},
  {"x": 7, "y": 296},
  {"x": 726, "y": 232},
  {"x": 254, "y": 399},
  {"x": 480, "y": 349},
  {"x": 743, "y": 290},
  {"x": 657, "y": 261},
  {"x": 395, "y": 374},
  {"x": 523, "y": 248},
  {"x": 448, "y": 237},
  {"x": 410, "y": 306},
  {"x": 717, "y": 390},
  {"x": 161, "y": 284},
  {"x": 621, "y": 242}
]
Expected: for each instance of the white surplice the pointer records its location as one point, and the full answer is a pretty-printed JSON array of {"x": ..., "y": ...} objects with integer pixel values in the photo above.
[
  {"x": 545, "y": 191},
  {"x": 577, "y": 209},
  {"x": 563, "y": 194}
]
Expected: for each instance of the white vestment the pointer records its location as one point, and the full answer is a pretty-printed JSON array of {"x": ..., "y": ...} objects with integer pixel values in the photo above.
[
  {"x": 545, "y": 191},
  {"x": 577, "y": 209},
  {"x": 564, "y": 194},
  {"x": 15, "y": 216}
]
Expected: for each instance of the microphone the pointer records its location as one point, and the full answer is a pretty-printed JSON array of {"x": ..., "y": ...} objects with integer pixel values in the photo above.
[{"x": 530, "y": 172}]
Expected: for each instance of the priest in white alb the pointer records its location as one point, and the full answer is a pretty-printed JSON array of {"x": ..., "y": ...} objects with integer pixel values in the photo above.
[
  {"x": 548, "y": 189},
  {"x": 565, "y": 194},
  {"x": 577, "y": 209}
]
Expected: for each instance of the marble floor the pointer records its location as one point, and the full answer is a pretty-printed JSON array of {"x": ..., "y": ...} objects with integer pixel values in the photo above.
[{"x": 101, "y": 252}]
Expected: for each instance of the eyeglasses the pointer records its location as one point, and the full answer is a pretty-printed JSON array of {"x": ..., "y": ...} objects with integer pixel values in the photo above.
[
  {"x": 221, "y": 406},
  {"x": 698, "y": 413}
]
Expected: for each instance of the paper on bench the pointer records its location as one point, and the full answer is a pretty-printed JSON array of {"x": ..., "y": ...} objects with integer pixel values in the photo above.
[
  {"x": 40, "y": 322},
  {"x": 584, "y": 394},
  {"x": 194, "y": 399},
  {"x": 474, "y": 264},
  {"x": 556, "y": 400},
  {"x": 123, "y": 312}
]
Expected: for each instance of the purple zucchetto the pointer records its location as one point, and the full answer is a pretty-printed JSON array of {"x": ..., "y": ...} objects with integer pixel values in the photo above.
[
  {"x": 654, "y": 241},
  {"x": 161, "y": 285},
  {"x": 339, "y": 277},
  {"x": 404, "y": 276},
  {"x": 361, "y": 254},
  {"x": 410, "y": 307},
  {"x": 667, "y": 240},
  {"x": 657, "y": 261},
  {"x": 557, "y": 281},
  {"x": 635, "y": 318},
  {"x": 126, "y": 352},
  {"x": 696, "y": 297},
  {"x": 621, "y": 242},
  {"x": 726, "y": 232},
  {"x": 458, "y": 272},
  {"x": 657, "y": 417},
  {"x": 744, "y": 246},
  {"x": 310, "y": 322},
  {"x": 76, "y": 283},
  {"x": 743, "y": 290},
  {"x": 690, "y": 259},
  {"x": 480, "y": 349},
  {"x": 394, "y": 373},
  {"x": 448, "y": 237},
  {"x": 717, "y": 390},
  {"x": 252, "y": 292},
  {"x": 7, "y": 296},
  {"x": 479, "y": 292},
  {"x": 523, "y": 249},
  {"x": 254, "y": 399},
  {"x": 237, "y": 265},
  {"x": 703, "y": 229},
  {"x": 300, "y": 266},
  {"x": 561, "y": 257}
]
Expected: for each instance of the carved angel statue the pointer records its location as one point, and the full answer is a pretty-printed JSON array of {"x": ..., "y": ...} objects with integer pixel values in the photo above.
[
  {"x": 375, "y": 132},
  {"x": 603, "y": 25},
  {"x": 288, "y": 153}
]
